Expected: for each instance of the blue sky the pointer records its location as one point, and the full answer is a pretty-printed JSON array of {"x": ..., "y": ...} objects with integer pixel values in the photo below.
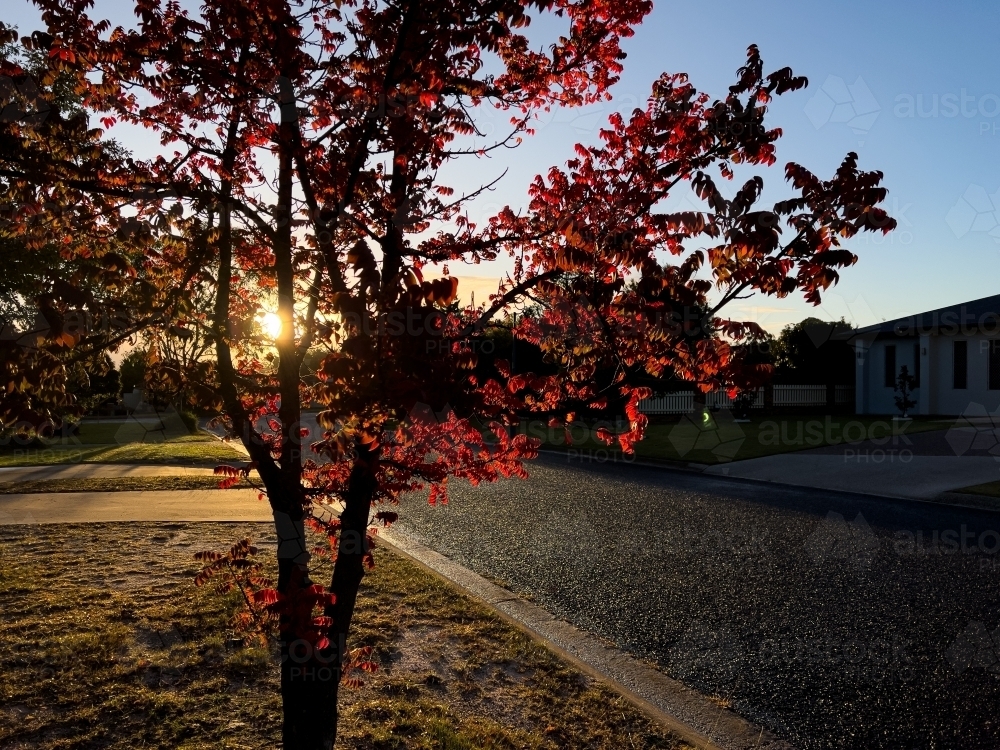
[
  {"x": 883, "y": 56},
  {"x": 913, "y": 87}
]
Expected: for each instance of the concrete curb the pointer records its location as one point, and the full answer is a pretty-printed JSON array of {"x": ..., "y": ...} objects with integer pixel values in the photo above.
[
  {"x": 970, "y": 501},
  {"x": 690, "y": 715},
  {"x": 681, "y": 466}
]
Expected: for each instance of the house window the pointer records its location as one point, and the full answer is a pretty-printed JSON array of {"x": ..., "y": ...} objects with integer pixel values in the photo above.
[
  {"x": 961, "y": 368},
  {"x": 916, "y": 365},
  {"x": 993, "y": 375},
  {"x": 890, "y": 366}
]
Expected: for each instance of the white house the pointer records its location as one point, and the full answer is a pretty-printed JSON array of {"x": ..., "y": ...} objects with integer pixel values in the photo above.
[{"x": 953, "y": 353}]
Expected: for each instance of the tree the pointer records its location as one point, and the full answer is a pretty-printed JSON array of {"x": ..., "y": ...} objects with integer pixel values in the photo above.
[
  {"x": 133, "y": 370},
  {"x": 34, "y": 336},
  {"x": 814, "y": 351},
  {"x": 904, "y": 385},
  {"x": 179, "y": 358},
  {"x": 300, "y": 170},
  {"x": 21, "y": 282},
  {"x": 94, "y": 384}
]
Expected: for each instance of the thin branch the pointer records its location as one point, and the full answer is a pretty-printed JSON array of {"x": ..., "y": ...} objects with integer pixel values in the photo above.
[{"x": 510, "y": 296}]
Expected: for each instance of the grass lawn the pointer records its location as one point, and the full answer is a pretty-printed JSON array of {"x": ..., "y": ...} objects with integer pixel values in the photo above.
[
  {"x": 989, "y": 489},
  {"x": 105, "y": 642},
  {"x": 722, "y": 439},
  {"x": 115, "y": 484},
  {"x": 182, "y": 452},
  {"x": 146, "y": 430},
  {"x": 146, "y": 440}
]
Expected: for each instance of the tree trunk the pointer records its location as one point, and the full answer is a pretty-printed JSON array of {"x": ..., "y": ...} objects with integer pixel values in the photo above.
[
  {"x": 309, "y": 686},
  {"x": 310, "y": 680},
  {"x": 350, "y": 566}
]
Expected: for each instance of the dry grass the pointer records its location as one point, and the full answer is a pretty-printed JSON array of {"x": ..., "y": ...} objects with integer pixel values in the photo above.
[{"x": 105, "y": 642}]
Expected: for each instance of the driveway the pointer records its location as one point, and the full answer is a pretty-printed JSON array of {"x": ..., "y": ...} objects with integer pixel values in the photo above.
[
  {"x": 922, "y": 465},
  {"x": 903, "y": 476},
  {"x": 836, "y": 621}
]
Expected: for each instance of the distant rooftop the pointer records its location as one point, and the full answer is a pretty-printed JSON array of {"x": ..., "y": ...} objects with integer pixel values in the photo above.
[{"x": 976, "y": 316}]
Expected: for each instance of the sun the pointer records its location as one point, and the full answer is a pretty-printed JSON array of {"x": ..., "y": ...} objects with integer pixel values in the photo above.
[{"x": 271, "y": 324}]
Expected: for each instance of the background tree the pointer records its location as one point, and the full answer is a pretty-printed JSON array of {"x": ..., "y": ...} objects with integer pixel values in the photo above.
[
  {"x": 904, "y": 385},
  {"x": 814, "y": 351},
  {"x": 97, "y": 383},
  {"x": 300, "y": 170},
  {"x": 37, "y": 333},
  {"x": 133, "y": 370},
  {"x": 180, "y": 358},
  {"x": 22, "y": 281}
]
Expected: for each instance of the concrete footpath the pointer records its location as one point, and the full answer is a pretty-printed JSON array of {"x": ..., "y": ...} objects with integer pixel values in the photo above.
[{"x": 112, "y": 507}]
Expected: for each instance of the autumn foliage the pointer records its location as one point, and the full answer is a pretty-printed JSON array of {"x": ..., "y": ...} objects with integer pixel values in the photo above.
[{"x": 298, "y": 168}]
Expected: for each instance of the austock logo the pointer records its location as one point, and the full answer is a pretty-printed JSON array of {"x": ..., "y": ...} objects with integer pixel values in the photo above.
[
  {"x": 849, "y": 542},
  {"x": 870, "y": 659},
  {"x": 587, "y": 119},
  {"x": 901, "y": 235},
  {"x": 950, "y": 105},
  {"x": 838, "y": 102},
  {"x": 580, "y": 439},
  {"x": 830, "y": 432},
  {"x": 30, "y": 337},
  {"x": 702, "y": 430},
  {"x": 74, "y": 323},
  {"x": 153, "y": 642},
  {"x": 599, "y": 456},
  {"x": 22, "y": 102},
  {"x": 976, "y": 211},
  {"x": 984, "y": 544},
  {"x": 12, "y": 519},
  {"x": 975, "y": 648},
  {"x": 742, "y": 542},
  {"x": 975, "y": 429},
  {"x": 165, "y": 425}
]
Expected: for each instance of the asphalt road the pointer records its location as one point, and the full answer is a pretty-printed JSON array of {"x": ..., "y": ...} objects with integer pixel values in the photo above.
[{"x": 835, "y": 620}]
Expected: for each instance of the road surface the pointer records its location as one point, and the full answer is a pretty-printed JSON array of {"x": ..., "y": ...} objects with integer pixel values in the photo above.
[{"x": 835, "y": 620}]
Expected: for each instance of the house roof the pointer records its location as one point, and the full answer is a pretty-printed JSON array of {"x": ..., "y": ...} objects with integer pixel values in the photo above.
[{"x": 977, "y": 316}]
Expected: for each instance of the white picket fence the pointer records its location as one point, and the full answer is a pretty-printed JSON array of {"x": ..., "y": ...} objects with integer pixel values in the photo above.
[
  {"x": 719, "y": 400},
  {"x": 800, "y": 395},
  {"x": 668, "y": 403},
  {"x": 682, "y": 402}
]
